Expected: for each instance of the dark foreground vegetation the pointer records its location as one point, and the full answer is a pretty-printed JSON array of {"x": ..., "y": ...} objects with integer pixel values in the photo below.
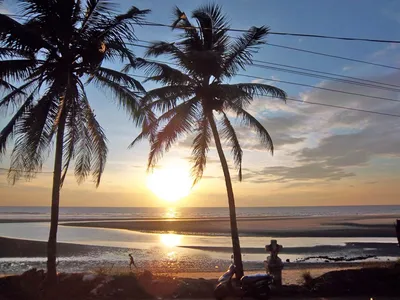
[{"x": 371, "y": 282}]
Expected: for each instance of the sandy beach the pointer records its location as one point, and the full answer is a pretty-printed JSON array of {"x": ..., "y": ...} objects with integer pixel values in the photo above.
[{"x": 349, "y": 226}]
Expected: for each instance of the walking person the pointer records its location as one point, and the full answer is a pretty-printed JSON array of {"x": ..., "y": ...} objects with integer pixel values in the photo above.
[{"x": 131, "y": 261}]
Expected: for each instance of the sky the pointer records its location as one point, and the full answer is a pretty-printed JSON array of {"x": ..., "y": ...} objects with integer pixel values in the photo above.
[{"x": 323, "y": 155}]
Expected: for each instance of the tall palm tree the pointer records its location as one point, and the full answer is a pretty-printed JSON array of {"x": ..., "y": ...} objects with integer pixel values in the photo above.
[
  {"x": 194, "y": 91},
  {"x": 58, "y": 47}
]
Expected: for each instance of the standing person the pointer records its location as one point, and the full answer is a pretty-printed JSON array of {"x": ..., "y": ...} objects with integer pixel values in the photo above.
[{"x": 131, "y": 261}]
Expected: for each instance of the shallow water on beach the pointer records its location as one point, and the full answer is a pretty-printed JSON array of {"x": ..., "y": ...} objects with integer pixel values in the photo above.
[{"x": 172, "y": 251}]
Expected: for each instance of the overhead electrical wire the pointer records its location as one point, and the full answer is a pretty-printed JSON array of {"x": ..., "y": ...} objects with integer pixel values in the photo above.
[
  {"x": 299, "y": 84},
  {"x": 316, "y": 103},
  {"x": 318, "y": 53},
  {"x": 346, "y": 79},
  {"x": 282, "y": 33}
]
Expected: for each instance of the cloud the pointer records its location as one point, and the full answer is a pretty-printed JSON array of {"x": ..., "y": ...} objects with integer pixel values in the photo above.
[
  {"x": 386, "y": 50},
  {"x": 209, "y": 160},
  {"x": 329, "y": 144},
  {"x": 4, "y": 8},
  {"x": 392, "y": 11},
  {"x": 307, "y": 172},
  {"x": 349, "y": 138},
  {"x": 347, "y": 68},
  {"x": 317, "y": 144}
]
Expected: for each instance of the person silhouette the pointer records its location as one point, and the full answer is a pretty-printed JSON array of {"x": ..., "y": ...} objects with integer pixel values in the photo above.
[{"x": 131, "y": 261}]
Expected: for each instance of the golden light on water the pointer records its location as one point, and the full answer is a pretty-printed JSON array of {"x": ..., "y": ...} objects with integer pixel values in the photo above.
[
  {"x": 171, "y": 239},
  {"x": 170, "y": 184},
  {"x": 171, "y": 213}
]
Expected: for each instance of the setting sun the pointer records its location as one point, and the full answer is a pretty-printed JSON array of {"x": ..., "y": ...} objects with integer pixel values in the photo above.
[{"x": 170, "y": 184}]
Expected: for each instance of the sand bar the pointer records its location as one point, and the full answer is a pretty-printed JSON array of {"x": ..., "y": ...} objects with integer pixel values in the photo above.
[{"x": 349, "y": 226}]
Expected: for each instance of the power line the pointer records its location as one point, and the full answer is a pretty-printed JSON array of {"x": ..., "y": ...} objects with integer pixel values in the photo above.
[
  {"x": 299, "y": 49},
  {"x": 326, "y": 77},
  {"x": 284, "y": 34},
  {"x": 327, "y": 73},
  {"x": 319, "y": 88},
  {"x": 342, "y": 107},
  {"x": 346, "y": 79},
  {"x": 334, "y": 56},
  {"x": 317, "y": 53},
  {"x": 316, "y": 103},
  {"x": 296, "y": 83},
  {"x": 309, "y": 35}
]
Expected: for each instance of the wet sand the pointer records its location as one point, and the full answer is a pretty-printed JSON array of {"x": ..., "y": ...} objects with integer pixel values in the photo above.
[
  {"x": 292, "y": 272},
  {"x": 350, "y": 226},
  {"x": 25, "y": 248}
]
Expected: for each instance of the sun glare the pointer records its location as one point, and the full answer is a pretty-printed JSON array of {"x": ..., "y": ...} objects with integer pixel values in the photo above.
[
  {"x": 170, "y": 184},
  {"x": 171, "y": 240}
]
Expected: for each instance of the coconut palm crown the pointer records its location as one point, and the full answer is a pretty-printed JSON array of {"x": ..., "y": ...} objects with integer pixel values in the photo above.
[
  {"x": 49, "y": 52},
  {"x": 196, "y": 98}
]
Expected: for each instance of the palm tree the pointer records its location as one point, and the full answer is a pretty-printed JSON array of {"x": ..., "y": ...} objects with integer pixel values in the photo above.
[
  {"x": 58, "y": 47},
  {"x": 194, "y": 91}
]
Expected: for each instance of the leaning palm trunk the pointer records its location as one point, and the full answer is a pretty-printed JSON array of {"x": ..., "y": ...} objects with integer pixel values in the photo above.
[
  {"x": 206, "y": 58},
  {"x": 237, "y": 255},
  {"x": 55, "y": 202}
]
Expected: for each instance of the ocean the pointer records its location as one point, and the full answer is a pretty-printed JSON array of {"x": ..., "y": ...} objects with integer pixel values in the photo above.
[{"x": 81, "y": 213}]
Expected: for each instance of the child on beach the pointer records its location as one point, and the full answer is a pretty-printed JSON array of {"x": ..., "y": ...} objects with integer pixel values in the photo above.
[{"x": 131, "y": 261}]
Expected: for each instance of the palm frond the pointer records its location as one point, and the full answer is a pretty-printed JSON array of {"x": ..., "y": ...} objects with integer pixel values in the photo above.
[
  {"x": 213, "y": 26},
  {"x": 170, "y": 49},
  {"x": 34, "y": 134},
  {"x": 95, "y": 138},
  {"x": 120, "y": 78},
  {"x": 15, "y": 96},
  {"x": 260, "y": 89},
  {"x": 8, "y": 131},
  {"x": 183, "y": 120},
  {"x": 16, "y": 69},
  {"x": 190, "y": 32},
  {"x": 73, "y": 127},
  {"x": 230, "y": 93},
  {"x": 126, "y": 98},
  {"x": 10, "y": 52},
  {"x": 165, "y": 98},
  {"x": 122, "y": 25},
  {"x": 77, "y": 10},
  {"x": 4, "y": 85},
  {"x": 96, "y": 11},
  {"x": 20, "y": 36},
  {"x": 149, "y": 123},
  {"x": 242, "y": 50},
  {"x": 71, "y": 139},
  {"x": 247, "y": 119},
  {"x": 164, "y": 74},
  {"x": 117, "y": 50},
  {"x": 200, "y": 147},
  {"x": 229, "y": 134}
]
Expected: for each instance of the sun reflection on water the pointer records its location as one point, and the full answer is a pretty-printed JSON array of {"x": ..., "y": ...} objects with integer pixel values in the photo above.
[
  {"x": 171, "y": 240},
  {"x": 172, "y": 257},
  {"x": 171, "y": 213}
]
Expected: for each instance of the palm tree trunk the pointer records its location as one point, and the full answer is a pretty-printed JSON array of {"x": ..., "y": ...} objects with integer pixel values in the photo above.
[
  {"x": 55, "y": 202},
  {"x": 237, "y": 255}
]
